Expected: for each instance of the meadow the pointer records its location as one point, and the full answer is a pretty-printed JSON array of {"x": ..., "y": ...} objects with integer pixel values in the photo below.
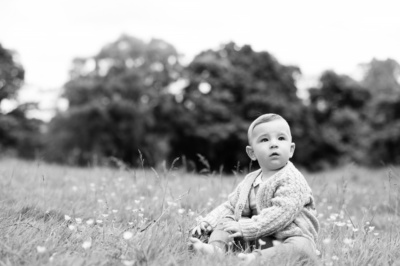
[{"x": 59, "y": 215}]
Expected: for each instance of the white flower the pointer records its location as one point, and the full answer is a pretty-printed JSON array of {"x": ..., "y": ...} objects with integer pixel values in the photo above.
[
  {"x": 137, "y": 201},
  {"x": 67, "y": 218},
  {"x": 334, "y": 257},
  {"x": 371, "y": 228},
  {"x": 326, "y": 241},
  {"x": 348, "y": 241},
  {"x": 340, "y": 224},
  {"x": 127, "y": 235},
  {"x": 128, "y": 262},
  {"x": 90, "y": 222},
  {"x": 71, "y": 227},
  {"x": 181, "y": 211},
  {"x": 41, "y": 249},
  {"x": 78, "y": 220},
  {"x": 86, "y": 244},
  {"x": 355, "y": 229},
  {"x": 99, "y": 221},
  {"x": 317, "y": 252},
  {"x": 261, "y": 242},
  {"x": 114, "y": 211}
]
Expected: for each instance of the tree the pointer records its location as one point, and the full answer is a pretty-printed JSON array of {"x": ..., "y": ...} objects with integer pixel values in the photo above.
[
  {"x": 382, "y": 80},
  {"x": 11, "y": 74},
  {"x": 111, "y": 101},
  {"x": 227, "y": 89},
  {"x": 18, "y": 133},
  {"x": 338, "y": 108}
]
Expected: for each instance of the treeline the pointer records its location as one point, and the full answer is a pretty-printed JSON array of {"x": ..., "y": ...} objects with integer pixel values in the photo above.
[{"x": 135, "y": 101}]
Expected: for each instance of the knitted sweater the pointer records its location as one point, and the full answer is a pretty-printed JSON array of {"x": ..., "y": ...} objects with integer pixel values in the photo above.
[{"x": 285, "y": 206}]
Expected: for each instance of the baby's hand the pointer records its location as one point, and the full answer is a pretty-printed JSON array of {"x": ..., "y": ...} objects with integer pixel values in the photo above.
[
  {"x": 202, "y": 226},
  {"x": 234, "y": 228}
]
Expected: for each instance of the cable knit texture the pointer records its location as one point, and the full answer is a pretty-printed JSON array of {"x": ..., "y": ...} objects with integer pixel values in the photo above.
[{"x": 285, "y": 206}]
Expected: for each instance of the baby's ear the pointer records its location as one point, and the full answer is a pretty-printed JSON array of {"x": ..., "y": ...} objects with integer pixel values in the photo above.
[
  {"x": 292, "y": 148},
  {"x": 250, "y": 153}
]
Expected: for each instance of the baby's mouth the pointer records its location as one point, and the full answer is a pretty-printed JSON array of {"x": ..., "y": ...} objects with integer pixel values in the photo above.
[{"x": 274, "y": 154}]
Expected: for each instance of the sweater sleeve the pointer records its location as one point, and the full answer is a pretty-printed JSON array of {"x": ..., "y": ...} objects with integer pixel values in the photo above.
[
  {"x": 226, "y": 208},
  {"x": 288, "y": 200}
]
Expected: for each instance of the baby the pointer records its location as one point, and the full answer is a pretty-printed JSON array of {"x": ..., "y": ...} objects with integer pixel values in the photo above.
[{"x": 272, "y": 203}]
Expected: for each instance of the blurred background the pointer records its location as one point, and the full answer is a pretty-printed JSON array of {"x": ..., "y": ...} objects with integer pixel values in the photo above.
[{"x": 121, "y": 82}]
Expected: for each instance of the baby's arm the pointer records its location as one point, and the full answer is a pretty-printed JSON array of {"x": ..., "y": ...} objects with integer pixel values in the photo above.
[
  {"x": 226, "y": 208},
  {"x": 288, "y": 201}
]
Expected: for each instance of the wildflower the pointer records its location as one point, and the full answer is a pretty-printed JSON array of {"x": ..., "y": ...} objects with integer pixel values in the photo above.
[
  {"x": 142, "y": 198},
  {"x": 114, "y": 211},
  {"x": 355, "y": 229},
  {"x": 128, "y": 262},
  {"x": 334, "y": 257},
  {"x": 71, "y": 227},
  {"x": 326, "y": 241},
  {"x": 128, "y": 208},
  {"x": 41, "y": 249},
  {"x": 155, "y": 198},
  {"x": 140, "y": 214},
  {"x": 191, "y": 213},
  {"x": 135, "y": 210},
  {"x": 376, "y": 234},
  {"x": 99, "y": 221},
  {"x": 86, "y": 244},
  {"x": 340, "y": 224},
  {"x": 90, "y": 222},
  {"x": 127, "y": 235},
  {"x": 100, "y": 201},
  {"x": 137, "y": 201},
  {"x": 78, "y": 220},
  {"x": 348, "y": 241},
  {"x": 67, "y": 218},
  {"x": 112, "y": 194},
  {"x": 317, "y": 252},
  {"x": 261, "y": 242},
  {"x": 105, "y": 215},
  {"x": 329, "y": 207},
  {"x": 181, "y": 211},
  {"x": 371, "y": 228}
]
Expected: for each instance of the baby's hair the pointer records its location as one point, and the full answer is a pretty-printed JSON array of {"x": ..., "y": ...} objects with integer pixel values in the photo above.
[{"x": 262, "y": 119}]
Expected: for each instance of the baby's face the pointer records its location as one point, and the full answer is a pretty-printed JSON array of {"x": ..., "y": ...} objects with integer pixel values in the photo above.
[{"x": 272, "y": 145}]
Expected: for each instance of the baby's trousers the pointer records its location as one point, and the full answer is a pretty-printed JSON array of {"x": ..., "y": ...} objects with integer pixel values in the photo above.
[
  {"x": 296, "y": 250},
  {"x": 221, "y": 239}
]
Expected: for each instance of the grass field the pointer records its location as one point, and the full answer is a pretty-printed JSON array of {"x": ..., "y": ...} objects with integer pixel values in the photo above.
[{"x": 56, "y": 215}]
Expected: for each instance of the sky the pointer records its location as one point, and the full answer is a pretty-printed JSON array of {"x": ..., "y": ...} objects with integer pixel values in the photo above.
[{"x": 315, "y": 35}]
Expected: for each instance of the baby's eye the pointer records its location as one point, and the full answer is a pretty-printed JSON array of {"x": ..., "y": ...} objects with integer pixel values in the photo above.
[
  {"x": 281, "y": 138},
  {"x": 264, "y": 140}
]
